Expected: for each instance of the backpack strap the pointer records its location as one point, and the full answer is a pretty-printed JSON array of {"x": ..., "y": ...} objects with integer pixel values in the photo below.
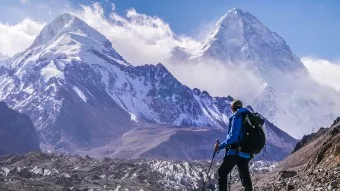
[
  {"x": 243, "y": 116},
  {"x": 247, "y": 120}
]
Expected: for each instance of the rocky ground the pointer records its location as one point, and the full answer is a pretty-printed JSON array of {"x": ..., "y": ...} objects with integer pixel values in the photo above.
[
  {"x": 317, "y": 179},
  {"x": 42, "y": 171},
  {"x": 315, "y": 165}
]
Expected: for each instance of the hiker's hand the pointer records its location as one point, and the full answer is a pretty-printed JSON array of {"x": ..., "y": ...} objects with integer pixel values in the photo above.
[{"x": 217, "y": 147}]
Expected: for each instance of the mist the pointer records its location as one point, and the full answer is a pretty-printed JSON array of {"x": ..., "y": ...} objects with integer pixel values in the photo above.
[{"x": 218, "y": 79}]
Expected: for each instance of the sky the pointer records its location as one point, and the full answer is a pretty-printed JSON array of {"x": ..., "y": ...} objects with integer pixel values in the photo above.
[{"x": 310, "y": 28}]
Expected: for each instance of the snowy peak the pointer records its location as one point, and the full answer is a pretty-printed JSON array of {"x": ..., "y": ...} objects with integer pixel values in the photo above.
[
  {"x": 66, "y": 24},
  {"x": 240, "y": 16},
  {"x": 242, "y": 23},
  {"x": 239, "y": 24},
  {"x": 238, "y": 38},
  {"x": 67, "y": 38}
]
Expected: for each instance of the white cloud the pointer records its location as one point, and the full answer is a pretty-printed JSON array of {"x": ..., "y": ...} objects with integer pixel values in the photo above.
[
  {"x": 218, "y": 79},
  {"x": 139, "y": 38},
  {"x": 16, "y": 38},
  {"x": 113, "y": 7},
  {"x": 142, "y": 39},
  {"x": 323, "y": 71}
]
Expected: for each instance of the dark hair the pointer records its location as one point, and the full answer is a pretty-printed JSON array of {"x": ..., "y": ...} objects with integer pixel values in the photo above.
[{"x": 236, "y": 104}]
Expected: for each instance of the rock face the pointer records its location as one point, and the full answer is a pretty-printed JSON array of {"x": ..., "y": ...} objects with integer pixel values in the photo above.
[
  {"x": 40, "y": 171},
  {"x": 309, "y": 138},
  {"x": 84, "y": 98},
  {"x": 315, "y": 164},
  {"x": 17, "y": 133}
]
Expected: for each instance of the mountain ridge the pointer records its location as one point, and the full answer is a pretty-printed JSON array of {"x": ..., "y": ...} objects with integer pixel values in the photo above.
[
  {"x": 17, "y": 133},
  {"x": 243, "y": 45},
  {"x": 84, "y": 97}
]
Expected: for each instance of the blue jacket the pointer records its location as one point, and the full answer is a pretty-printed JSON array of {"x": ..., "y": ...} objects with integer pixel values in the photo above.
[{"x": 234, "y": 134}]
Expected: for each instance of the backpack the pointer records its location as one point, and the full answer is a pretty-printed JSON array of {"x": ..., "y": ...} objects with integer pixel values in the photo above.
[{"x": 254, "y": 138}]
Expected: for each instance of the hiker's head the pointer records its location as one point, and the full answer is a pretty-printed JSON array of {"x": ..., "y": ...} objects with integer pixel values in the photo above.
[{"x": 235, "y": 105}]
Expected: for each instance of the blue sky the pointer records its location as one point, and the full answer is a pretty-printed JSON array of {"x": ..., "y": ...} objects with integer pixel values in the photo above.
[{"x": 311, "y": 28}]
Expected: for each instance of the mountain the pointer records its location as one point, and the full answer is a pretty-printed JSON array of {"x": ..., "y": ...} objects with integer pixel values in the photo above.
[
  {"x": 17, "y": 133},
  {"x": 314, "y": 164},
  {"x": 84, "y": 98},
  {"x": 242, "y": 43},
  {"x": 240, "y": 37}
]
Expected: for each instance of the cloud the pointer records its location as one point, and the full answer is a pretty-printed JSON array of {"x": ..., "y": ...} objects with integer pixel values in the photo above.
[
  {"x": 113, "y": 7},
  {"x": 16, "y": 38},
  {"x": 142, "y": 39},
  {"x": 325, "y": 72},
  {"x": 218, "y": 79},
  {"x": 139, "y": 38}
]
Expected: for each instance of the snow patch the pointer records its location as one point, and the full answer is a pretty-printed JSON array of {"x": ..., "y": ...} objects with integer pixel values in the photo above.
[
  {"x": 37, "y": 170},
  {"x": 80, "y": 93},
  {"x": 133, "y": 117},
  {"x": 51, "y": 71},
  {"x": 6, "y": 170},
  {"x": 29, "y": 90},
  {"x": 65, "y": 175}
]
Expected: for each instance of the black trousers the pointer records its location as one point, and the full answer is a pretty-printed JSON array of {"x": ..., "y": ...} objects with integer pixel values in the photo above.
[{"x": 227, "y": 166}]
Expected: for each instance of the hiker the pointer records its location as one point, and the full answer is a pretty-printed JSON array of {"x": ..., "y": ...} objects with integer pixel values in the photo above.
[{"x": 234, "y": 154}]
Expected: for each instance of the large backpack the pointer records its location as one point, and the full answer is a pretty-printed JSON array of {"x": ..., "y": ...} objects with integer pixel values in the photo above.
[{"x": 254, "y": 138}]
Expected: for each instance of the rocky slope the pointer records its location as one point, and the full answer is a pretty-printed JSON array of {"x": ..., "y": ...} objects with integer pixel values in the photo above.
[
  {"x": 84, "y": 98},
  {"x": 314, "y": 165},
  {"x": 17, "y": 133},
  {"x": 40, "y": 171},
  {"x": 193, "y": 144}
]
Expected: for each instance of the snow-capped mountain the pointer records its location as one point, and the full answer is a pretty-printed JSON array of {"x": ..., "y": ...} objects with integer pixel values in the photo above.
[
  {"x": 240, "y": 39},
  {"x": 83, "y": 96}
]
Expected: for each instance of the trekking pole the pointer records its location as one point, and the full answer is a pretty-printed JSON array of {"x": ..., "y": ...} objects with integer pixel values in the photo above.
[{"x": 212, "y": 159}]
